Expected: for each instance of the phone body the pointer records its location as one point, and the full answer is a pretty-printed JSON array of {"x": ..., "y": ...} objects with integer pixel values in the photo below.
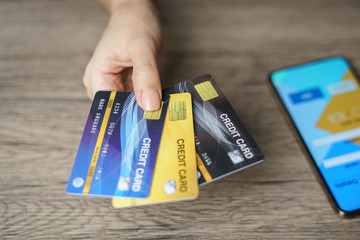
[{"x": 321, "y": 100}]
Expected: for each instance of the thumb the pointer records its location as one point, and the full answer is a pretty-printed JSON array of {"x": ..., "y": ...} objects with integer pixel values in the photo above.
[{"x": 146, "y": 80}]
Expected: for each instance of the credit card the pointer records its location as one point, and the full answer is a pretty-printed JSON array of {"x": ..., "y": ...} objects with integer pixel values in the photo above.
[
  {"x": 223, "y": 144},
  {"x": 118, "y": 149},
  {"x": 175, "y": 175}
]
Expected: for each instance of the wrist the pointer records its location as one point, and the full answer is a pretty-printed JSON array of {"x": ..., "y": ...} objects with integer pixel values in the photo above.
[{"x": 121, "y": 4}]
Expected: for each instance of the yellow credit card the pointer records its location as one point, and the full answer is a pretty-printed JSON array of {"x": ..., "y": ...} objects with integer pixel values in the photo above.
[{"x": 175, "y": 174}]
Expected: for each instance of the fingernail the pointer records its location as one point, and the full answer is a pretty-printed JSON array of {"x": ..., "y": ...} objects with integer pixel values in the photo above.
[{"x": 150, "y": 99}]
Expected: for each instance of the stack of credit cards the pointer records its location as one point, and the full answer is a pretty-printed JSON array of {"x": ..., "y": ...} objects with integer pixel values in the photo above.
[{"x": 139, "y": 157}]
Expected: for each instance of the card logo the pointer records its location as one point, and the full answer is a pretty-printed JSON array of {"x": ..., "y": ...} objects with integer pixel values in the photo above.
[
  {"x": 124, "y": 184},
  {"x": 170, "y": 187},
  {"x": 78, "y": 182},
  {"x": 235, "y": 156}
]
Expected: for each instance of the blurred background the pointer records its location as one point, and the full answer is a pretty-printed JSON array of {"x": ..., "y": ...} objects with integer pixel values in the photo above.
[{"x": 44, "y": 48}]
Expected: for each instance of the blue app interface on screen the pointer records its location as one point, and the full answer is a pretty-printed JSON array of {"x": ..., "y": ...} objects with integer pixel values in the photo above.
[{"x": 323, "y": 99}]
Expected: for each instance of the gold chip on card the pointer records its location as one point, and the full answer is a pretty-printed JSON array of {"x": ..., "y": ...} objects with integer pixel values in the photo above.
[
  {"x": 177, "y": 111},
  {"x": 153, "y": 115},
  {"x": 206, "y": 90}
]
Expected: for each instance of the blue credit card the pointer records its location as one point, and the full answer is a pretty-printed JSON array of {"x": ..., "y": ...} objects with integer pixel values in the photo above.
[
  {"x": 223, "y": 144},
  {"x": 118, "y": 149}
]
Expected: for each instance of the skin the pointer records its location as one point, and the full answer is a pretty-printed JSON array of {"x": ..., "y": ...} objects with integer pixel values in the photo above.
[{"x": 125, "y": 58}]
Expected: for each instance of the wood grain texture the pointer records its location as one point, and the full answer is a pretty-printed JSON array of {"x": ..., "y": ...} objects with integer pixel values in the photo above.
[{"x": 44, "y": 48}]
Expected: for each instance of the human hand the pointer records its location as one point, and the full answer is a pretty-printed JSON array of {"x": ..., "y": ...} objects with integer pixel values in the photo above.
[{"x": 125, "y": 58}]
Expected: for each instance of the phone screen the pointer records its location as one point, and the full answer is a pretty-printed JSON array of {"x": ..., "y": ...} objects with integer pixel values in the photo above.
[{"x": 323, "y": 100}]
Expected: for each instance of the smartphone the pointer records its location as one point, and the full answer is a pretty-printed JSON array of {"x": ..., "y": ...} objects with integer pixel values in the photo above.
[{"x": 321, "y": 100}]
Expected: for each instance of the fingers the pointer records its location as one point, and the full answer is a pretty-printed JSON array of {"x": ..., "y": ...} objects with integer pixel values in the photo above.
[
  {"x": 97, "y": 80},
  {"x": 145, "y": 76},
  {"x": 146, "y": 80}
]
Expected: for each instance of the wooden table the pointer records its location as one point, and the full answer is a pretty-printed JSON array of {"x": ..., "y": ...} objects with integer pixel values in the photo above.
[{"x": 44, "y": 47}]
